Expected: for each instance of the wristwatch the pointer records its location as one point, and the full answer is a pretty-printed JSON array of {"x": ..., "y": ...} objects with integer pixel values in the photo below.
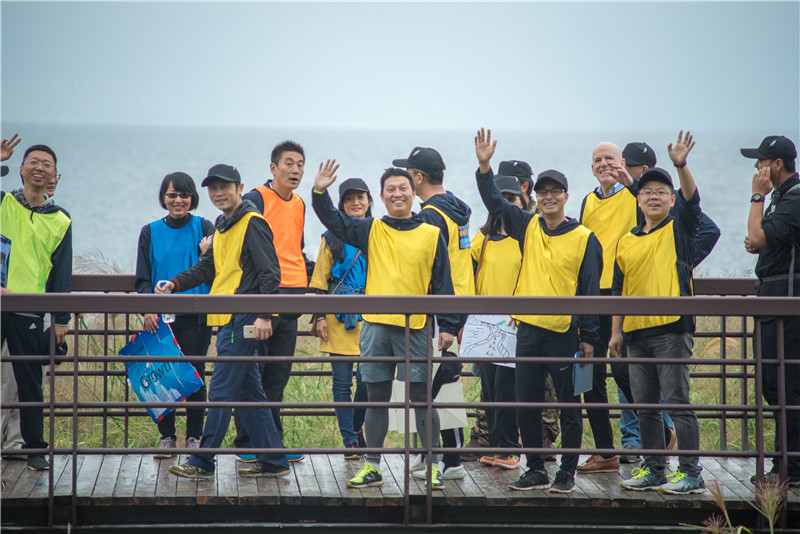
[{"x": 758, "y": 197}]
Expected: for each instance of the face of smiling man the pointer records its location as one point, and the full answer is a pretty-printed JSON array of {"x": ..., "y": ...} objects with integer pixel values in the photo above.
[
  {"x": 398, "y": 197},
  {"x": 602, "y": 155}
]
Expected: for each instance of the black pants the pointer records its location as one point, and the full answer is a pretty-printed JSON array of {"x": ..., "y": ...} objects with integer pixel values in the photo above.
[
  {"x": 23, "y": 335},
  {"x": 530, "y": 379},
  {"x": 769, "y": 380},
  {"x": 497, "y": 385},
  {"x": 599, "y": 419},
  {"x": 274, "y": 376},
  {"x": 194, "y": 337}
]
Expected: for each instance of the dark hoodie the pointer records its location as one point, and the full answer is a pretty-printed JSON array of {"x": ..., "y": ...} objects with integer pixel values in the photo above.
[
  {"x": 261, "y": 273},
  {"x": 516, "y": 221},
  {"x": 60, "y": 278},
  {"x": 451, "y": 205}
]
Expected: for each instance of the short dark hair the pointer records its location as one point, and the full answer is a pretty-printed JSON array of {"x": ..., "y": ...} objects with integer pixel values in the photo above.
[
  {"x": 435, "y": 178},
  {"x": 40, "y": 148},
  {"x": 286, "y": 146},
  {"x": 789, "y": 164},
  {"x": 394, "y": 171},
  {"x": 182, "y": 183},
  {"x": 369, "y": 197}
]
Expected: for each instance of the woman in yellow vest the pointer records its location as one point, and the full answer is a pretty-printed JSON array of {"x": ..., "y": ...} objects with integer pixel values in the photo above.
[
  {"x": 497, "y": 260},
  {"x": 341, "y": 269}
]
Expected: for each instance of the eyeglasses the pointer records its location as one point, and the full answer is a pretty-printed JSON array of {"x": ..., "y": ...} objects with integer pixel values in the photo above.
[
  {"x": 46, "y": 165},
  {"x": 550, "y": 193},
  {"x": 661, "y": 193},
  {"x": 173, "y": 196}
]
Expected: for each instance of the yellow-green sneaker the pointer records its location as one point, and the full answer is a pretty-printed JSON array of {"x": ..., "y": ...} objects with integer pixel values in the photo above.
[
  {"x": 643, "y": 479},
  {"x": 682, "y": 484},
  {"x": 366, "y": 477}
]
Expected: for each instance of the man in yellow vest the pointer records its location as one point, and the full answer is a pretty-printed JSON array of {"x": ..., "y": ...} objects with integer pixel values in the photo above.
[
  {"x": 560, "y": 257},
  {"x": 655, "y": 259},
  {"x": 285, "y": 212},
  {"x": 450, "y": 215},
  {"x": 240, "y": 261},
  {"x": 406, "y": 256},
  {"x": 39, "y": 260}
]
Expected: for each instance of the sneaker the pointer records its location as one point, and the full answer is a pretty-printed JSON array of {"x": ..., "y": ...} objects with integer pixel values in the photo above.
[
  {"x": 192, "y": 443},
  {"x": 454, "y": 472},
  {"x": 416, "y": 463},
  {"x": 643, "y": 480},
  {"x": 38, "y": 463},
  {"x": 295, "y": 457},
  {"x": 547, "y": 444},
  {"x": 366, "y": 477},
  {"x": 164, "y": 445},
  {"x": 246, "y": 458},
  {"x": 260, "y": 469},
  {"x": 531, "y": 480},
  {"x": 630, "y": 458},
  {"x": 352, "y": 451},
  {"x": 597, "y": 464},
  {"x": 774, "y": 477},
  {"x": 563, "y": 483},
  {"x": 437, "y": 482},
  {"x": 190, "y": 471},
  {"x": 488, "y": 460},
  {"x": 682, "y": 484},
  {"x": 506, "y": 461}
]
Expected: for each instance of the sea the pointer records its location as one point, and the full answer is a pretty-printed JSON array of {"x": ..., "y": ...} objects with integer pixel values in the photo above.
[{"x": 111, "y": 174}]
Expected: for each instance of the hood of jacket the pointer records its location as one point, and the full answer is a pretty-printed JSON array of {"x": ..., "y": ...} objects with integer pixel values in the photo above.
[
  {"x": 223, "y": 224},
  {"x": 452, "y": 206}
]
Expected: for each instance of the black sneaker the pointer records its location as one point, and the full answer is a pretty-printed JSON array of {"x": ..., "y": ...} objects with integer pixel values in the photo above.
[
  {"x": 564, "y": 482},
  {"x": 38, "y": 463},
  {"x": 774, "y": 477},
  {"x": 531, "y": 480},
  {"x": 259, "y": 469}
]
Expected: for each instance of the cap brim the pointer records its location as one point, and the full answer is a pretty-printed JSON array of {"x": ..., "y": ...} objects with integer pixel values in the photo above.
[
  {"x": 751, "y": 153},
  {"x": 208, "y": 179},
  {"x": 400, "y": 163},
  {"x": 3, "y": 170}
]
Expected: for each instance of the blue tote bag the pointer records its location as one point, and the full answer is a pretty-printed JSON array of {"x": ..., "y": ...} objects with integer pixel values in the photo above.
[{"x": 154, "y": 381}]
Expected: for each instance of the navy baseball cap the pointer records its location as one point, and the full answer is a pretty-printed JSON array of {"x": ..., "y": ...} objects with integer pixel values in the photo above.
[
  {"x": 553, "y": 176},
  {"x": 352, "y": 184},
  {"x": 772, "y": 147},
  {"x": 656, "y": 174},
  {"x": 639, "y": 154},
  {"x": 226, "y": 173},
  {"x": 422, "y": 158},
  {"x": 508, "y": 184}
]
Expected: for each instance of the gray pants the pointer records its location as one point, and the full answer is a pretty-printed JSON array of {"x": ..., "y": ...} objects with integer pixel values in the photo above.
[{"x": 649, "y": 382}]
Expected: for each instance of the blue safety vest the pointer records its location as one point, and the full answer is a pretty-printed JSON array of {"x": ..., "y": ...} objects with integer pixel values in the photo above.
[{"x": 173, "y": 250}]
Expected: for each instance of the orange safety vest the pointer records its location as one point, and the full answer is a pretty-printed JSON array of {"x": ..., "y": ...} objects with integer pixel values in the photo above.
[{"x": 286, "y": 217}]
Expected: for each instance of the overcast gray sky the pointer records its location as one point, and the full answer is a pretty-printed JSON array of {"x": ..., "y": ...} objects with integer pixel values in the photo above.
[{"x": 599, "y": 65}]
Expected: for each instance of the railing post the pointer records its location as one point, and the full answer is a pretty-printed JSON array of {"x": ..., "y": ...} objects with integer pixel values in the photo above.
[
  {"x": 723, "y": 385},
  {"x": 759, "y": 399}
]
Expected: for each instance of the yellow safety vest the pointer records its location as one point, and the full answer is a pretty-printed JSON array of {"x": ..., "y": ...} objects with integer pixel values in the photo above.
[
  {"x": 499, "y": 270},
  {"x": 228, "y": 263},
  {"x": 460, "y": 258},
  {"x": 609, "y": 219},
  {"x": 550, "y": 267},
  {"x": 649, "y": 263},
  {"x": 34, "y": 237},
  {"x": 400, "y": 263}
]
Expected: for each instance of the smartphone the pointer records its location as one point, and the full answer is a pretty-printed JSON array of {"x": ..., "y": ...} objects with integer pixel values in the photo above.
[{"x": 250, "y": 331}]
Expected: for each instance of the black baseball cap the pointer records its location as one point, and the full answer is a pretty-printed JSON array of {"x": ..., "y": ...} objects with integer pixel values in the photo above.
[
  {"x": 639, "y": 154},
  {"x": 656, "y": 174},
  {"x": 772, "y": 147},
  {"x": 352, "y": 184},
  {"x": 517, "y": 168},
  {"x": 422, "y": 158},
  {"x": 508, "y": 184},
  {"x": 3, "y": 170},
  {"x": 553, "y": 176},
  {"x": 226, "y": 173}
]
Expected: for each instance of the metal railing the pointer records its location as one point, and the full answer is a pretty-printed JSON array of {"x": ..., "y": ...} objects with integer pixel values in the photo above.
[{"x": 733, "y": 298}]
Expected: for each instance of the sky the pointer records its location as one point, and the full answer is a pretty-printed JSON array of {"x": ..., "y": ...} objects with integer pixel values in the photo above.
[{"x": 527, "y": 65}]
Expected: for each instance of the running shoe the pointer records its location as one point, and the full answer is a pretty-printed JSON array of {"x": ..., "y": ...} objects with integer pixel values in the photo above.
[
  {"x": 643, "y": 480},
  {"x": 630, "y": 458},
  {"x": 416, "y": 463},
  {"x": 192, "y": 443},
  {"x": 38, "y": 463},
  {"x": 191, "y": 471},
  {"x": 366, "y": 477},
  {"x": 488, "y": 459},
  {"x": 454, "y": 472},
  {"x": 531, "y": 480},
  {"x": 260, "y": 469},
  {"x": 506, "y": 461},
  {"x": 246, "y": 458},
  {"x": 164, "y": 447},
  {"x": 682, "y": 484},
  {"x": 295, "y": 457},
  {"x": 563, "y": 483},
  {"x": 352, "y": 451}
]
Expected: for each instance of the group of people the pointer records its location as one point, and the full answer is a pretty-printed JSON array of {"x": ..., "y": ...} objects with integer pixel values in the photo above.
[{"x": 637, "y": 235}]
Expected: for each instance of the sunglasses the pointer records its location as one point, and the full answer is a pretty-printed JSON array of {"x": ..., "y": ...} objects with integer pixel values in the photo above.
[{"x": 173, "y": 196}]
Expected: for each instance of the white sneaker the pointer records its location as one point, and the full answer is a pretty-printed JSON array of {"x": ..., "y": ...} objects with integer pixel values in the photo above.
[
  {"x": 416, "y": 462},
  {"x": 422, "y": 474},
  {"x": 455, "y": 472}
]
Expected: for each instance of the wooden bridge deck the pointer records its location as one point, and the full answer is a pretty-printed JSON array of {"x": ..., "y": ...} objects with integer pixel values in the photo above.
[{"x": 125, "y": 489}]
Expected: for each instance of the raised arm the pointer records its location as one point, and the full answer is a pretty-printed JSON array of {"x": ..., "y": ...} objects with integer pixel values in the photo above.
[
  {"x": 678, "y": 154},
  {"x": 756, "y": 238},
  {"x": 352, "y": 230}
]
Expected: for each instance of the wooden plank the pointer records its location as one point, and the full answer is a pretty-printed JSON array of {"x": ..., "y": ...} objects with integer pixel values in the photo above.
[
  {"x": 12, "y": 469},
  {"x": 247, "y": 487},
  {"x": 268, "y": 492},
  {"x": 128, "y": 473},
  {"x": 392, "y": 489},
  {"x": 41, "y": 490},
  {"x": 307, "y": 482},
  {"x": 146, "y": 479},
  {"x": 166, "y": 483},
  {"x": 486, "y": 484},
  {"x": 207, "y": 490},
  {"x": 106, "y": 480},
  {"x": 473, "y": 496},
  {"x": 186, "y": 488},
  {"x": 397, "y": 465},
  {"x": 288, "y": 488},
  {"x": 25, "y": 483},
  {"x": 329, "y": 489},
  {"x": 735, "y": 493},
  {"x": 63, "y": 487},
  {"x": 87, "y": 477},
  {"x": 343, "y": 471},
  {"x": 227, "y": 486}
]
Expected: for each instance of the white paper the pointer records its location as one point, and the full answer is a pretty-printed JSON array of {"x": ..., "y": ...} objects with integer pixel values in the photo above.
[{"x": 490, "y": 336}]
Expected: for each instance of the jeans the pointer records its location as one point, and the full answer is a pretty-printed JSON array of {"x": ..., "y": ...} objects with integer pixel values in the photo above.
[
  {"x": 237, "y": 381},
  {"x": 350, "y": 420},
  {"x": 629, "y": 423},
  {"x": 530, "y": 383},
  {"x": 649, "y": 381}
]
